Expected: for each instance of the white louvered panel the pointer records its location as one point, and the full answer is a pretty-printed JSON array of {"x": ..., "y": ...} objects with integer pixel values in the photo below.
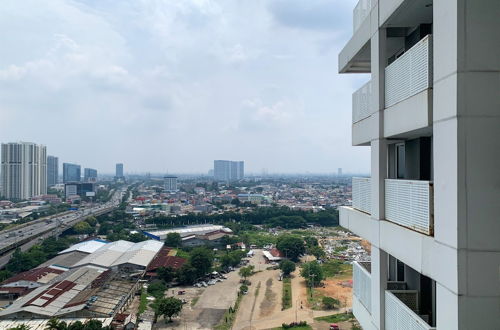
[
  {"x": 408, "y": 203},
  {"x": 361, "y": 11},
  {"x": 361, "y": 194},
  {"x": 362, "y": 285},
  {"x": 399, "y": 317},
  {"x": 409, "y": 74},
  {"x": 361, "y": 102}
]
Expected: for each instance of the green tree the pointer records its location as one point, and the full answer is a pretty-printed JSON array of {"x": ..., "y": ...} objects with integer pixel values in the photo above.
[
  {"x": 312, "y": 272},
  {"x": 166, "y": 274},
  {"x": 78, "y": 325},
  {"x": 157, "y": 289},
  {"x": 316, "y": 251},
  {"x": 92, "y": 221},
  {"x": 287, "y": 267},
  {"x": 136, "y": 237},
  {"x": 186, "y": 274},
  {"x": 291, "y": 245},
  {"x": 201, "y": 259},
  {"x": 330, "y": 303},
  {"x": 246, "y": 272},
  {"x": 20, "y": 327},
  {"x": 167, "y": 307},
  {"x": 83, "y": 228},
  {"x": 311, "y": 241},
  {"x": 173, "y": 240}
]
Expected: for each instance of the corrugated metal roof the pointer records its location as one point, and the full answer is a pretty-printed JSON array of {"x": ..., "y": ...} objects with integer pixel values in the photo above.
[{"x": 87, "y": 246}]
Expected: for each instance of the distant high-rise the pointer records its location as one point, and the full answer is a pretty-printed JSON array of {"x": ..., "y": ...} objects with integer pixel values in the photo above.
[
  {"x": 52, "y": 170},
  {"x": 170, "y": 183},
  {"x": 119, "y": 170},
  {"x": 24, "y": 170},
  {"x": 226, "y": 170},
  {"x": 339, "y": 171},
  {"x": 89, "y": 175},
  {"x": 71, "y": 172}
]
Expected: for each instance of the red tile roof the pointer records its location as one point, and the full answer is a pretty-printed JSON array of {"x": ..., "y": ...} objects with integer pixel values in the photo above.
[
  {"x": 33, "y": 275},
  {"x": 162, "y": 259},
  {"x": 276, "y": 253}
]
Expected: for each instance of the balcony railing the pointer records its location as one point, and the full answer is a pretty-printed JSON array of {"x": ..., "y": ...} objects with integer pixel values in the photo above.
[
  {"x": 409, "y": 203},
  {"x": 361, "y": 102},
  {"x": 361, "y": 11},
  {"x": 399, "y": 316},
  {"x": 361, "y": 194},
  {"x": 410, "y": 74},
  {"x": 362, "y": 284}
]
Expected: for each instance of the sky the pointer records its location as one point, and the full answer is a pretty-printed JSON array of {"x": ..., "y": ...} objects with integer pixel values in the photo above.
[{"x": 170, "y": 85}]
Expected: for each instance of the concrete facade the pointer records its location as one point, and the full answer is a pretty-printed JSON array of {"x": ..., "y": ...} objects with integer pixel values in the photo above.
[{"x": 456, "y": 265}]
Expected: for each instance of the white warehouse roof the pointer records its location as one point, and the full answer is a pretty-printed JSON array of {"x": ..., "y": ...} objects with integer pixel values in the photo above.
[
  {"x": 122, "y": 252},
  {"x": 86, "y": 247},
  {"x": 190, "y": 230}
]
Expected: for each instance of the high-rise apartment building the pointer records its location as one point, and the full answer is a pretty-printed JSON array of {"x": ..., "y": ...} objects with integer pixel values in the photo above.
[
  {"x": 24, "y": 170},
  {"x": 89, "y": 175},
  {"x": 52, "y": 170},
  {"x": 170, "y": 183},
  {"x": 71, "y": 172},
  {"x": 226, "y": 170},
  {"x": 431, "y": 114},
  {"x": 119, "y": 171}
]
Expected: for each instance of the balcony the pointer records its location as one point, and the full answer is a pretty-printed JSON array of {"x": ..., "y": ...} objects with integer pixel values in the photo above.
[
  {"x": 410, "y": 74},
  {"x": 362, "y": 283},
  {"x": 361, "y": 102},
  {"x": 401, "y": 311},
  {"x": 361, "y": 194},
  {"x": 409, "y": 203},
  {"x": 360, "y": 13}
]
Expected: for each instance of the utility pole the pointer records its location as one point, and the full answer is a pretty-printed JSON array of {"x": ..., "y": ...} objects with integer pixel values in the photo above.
[{"x": 312, "y": 282}]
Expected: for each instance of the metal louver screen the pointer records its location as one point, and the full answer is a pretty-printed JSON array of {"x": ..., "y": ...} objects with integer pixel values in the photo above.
[
  {"x": 361, "y": 194},
  {"x": 362, "y": 285},
  {"x": 361, "y": 102},
  {"x": 398, "y": 316},
  {"x": 409, "y": 204},
  {"x": 409, "y": 74}
]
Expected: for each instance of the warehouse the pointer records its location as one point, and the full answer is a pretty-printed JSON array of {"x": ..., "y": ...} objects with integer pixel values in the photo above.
[{"x": 187, "y": 231}]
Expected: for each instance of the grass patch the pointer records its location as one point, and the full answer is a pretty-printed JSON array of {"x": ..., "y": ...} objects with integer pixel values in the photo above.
[
  {"x": 340, "y": 317},
  {"x": 333, "y": 268},
  {"x": 315, "y": 300},
  {"x": 143, "y": 302},
  {"x": 194, "y": 301},
  {"x": 229, "y": 316},
  {"x": 181, "y": 253},
  {"x": 286, "y": 301}
]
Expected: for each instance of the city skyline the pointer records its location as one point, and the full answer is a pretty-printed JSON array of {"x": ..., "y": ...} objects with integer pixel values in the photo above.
[{"x": 282, "y": 95}]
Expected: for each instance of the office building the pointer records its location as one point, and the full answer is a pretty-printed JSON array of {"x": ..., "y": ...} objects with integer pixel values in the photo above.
[
  {"x": 170, "y": 183},
  {"x": 71, "y": 172},
  {"x": 89, "y": 175},
  {"x": 119, "y": 171},
  {"x": 431, "y": 115},
  {"x": 226, "y": 170},
  {"x": 52, "y": 170},
  {"x": 24, "y": 170},
  {"x": 82, "y": 189}
]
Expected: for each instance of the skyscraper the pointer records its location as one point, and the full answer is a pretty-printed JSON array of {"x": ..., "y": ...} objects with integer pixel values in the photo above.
[
  {"x": 71, "y": 172},
  {"x": 226, "y": 170},
  {"x": 119, "y": 171},
  {"x": 339, "y": 171},
  {"x": 89, "y": 175},
  {"x": 24, "y": 170},
  {"x": 52, "y": 170},
  {"x": 170, "y": 183},
  {"x": 430, "y": 114}
]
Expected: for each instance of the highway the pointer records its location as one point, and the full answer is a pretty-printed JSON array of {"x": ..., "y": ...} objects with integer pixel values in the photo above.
[{"x": 27, "y": 235}]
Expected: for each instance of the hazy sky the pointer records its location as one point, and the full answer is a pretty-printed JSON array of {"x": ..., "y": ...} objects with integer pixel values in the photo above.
[{"x": 172, "y": 85}]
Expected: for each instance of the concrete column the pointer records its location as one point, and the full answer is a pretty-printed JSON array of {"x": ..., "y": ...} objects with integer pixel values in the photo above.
[
  {"x": 467, "y": 159},
  {"x": 379, "y": 285}
]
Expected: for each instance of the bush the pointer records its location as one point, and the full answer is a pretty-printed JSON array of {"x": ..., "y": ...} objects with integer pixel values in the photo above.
[
  {"x": 330, "y": 303},
  {"x": 243, "y": 288}
]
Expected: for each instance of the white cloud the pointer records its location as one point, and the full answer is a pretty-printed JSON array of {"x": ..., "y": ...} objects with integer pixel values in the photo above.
[{"x": 175, "y": 84}]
